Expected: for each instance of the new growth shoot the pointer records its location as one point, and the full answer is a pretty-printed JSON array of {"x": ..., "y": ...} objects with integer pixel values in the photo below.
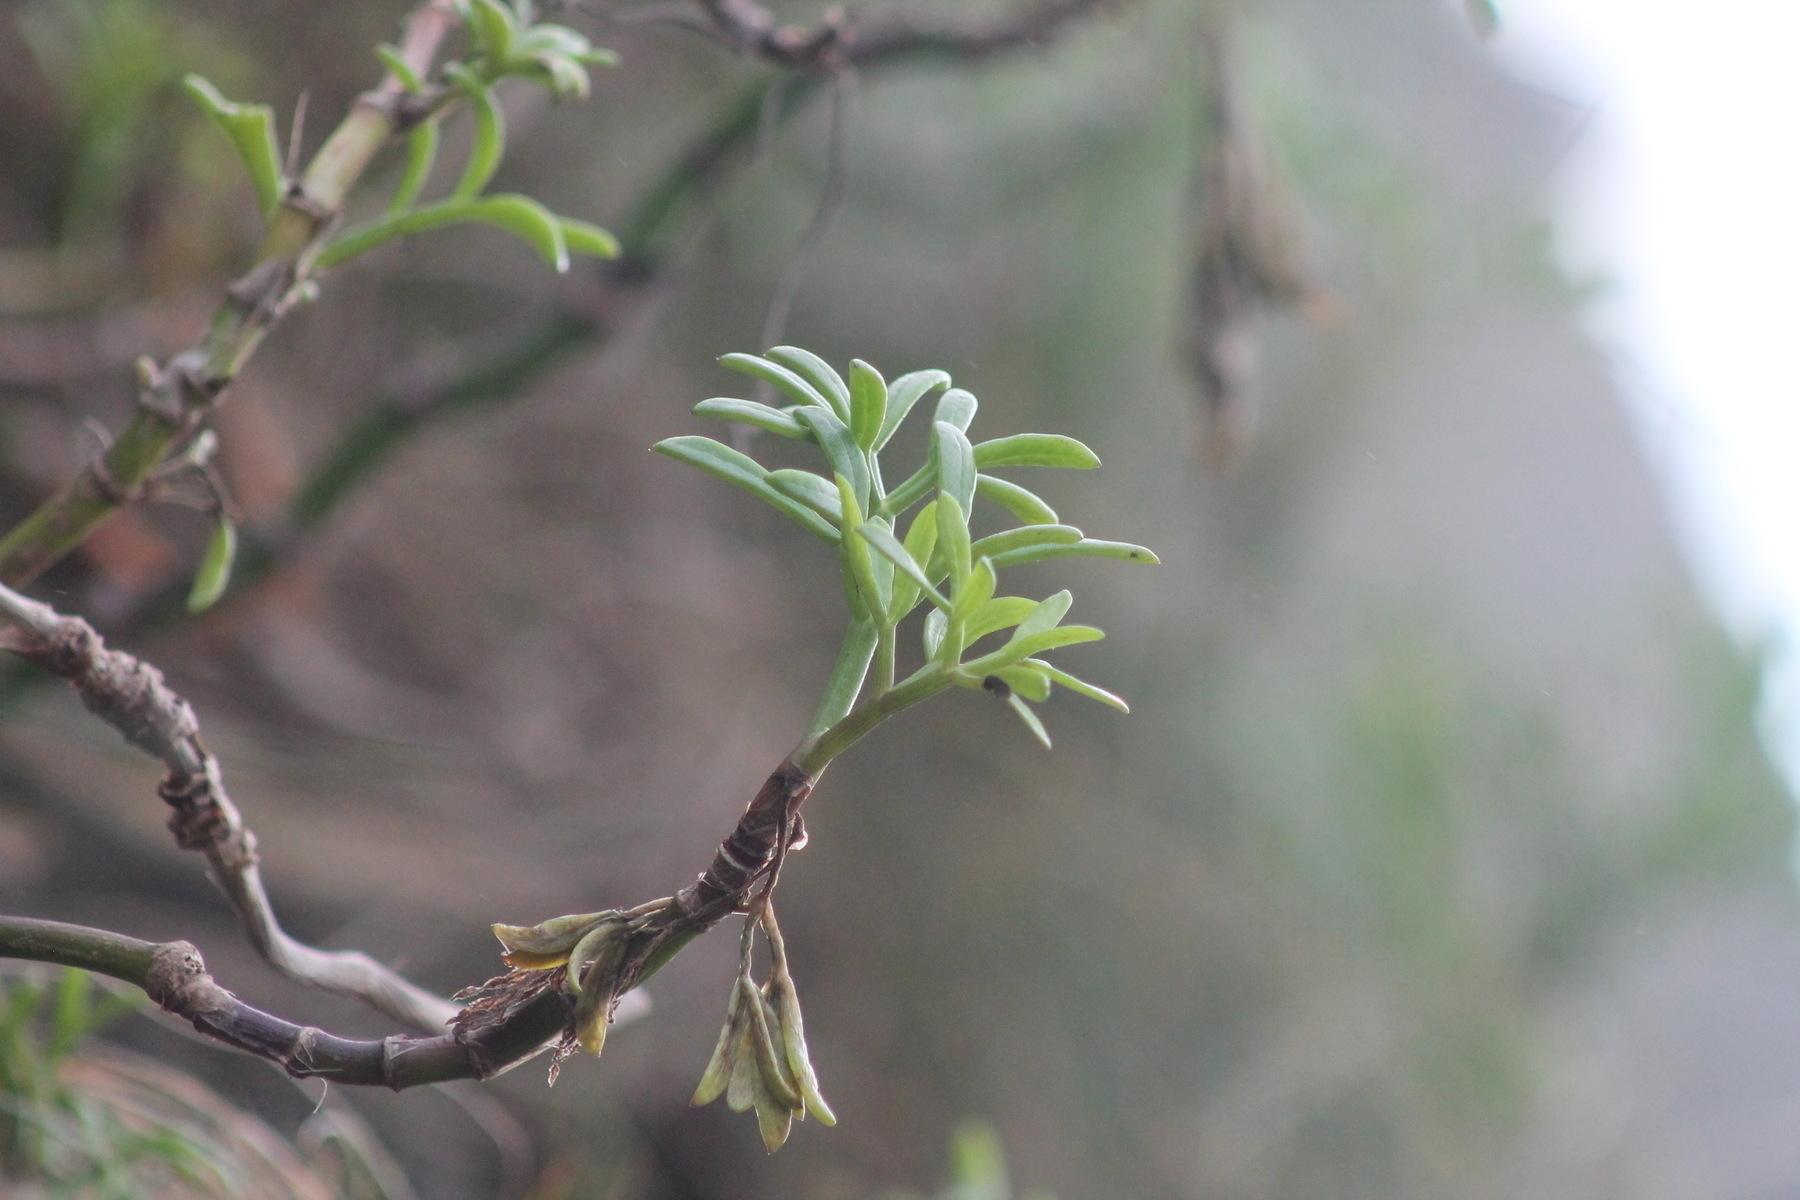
[
  {"x": 900, "y": 549},
  {"x": 935, "y": 562}
]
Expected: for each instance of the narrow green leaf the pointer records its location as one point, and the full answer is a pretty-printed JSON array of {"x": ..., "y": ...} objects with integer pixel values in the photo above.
[
  {"x": 868, "y": 403},
  {"x": 1026, "y": 535},
  {"x": 1035, "y": 450},
  {"x": 936, "y": 625},
  {"x": 395, "y": 62},
  {"x": 877, "y": 489},
  {"x": 251, "y": 128},
  {"x": 917, "y": 486},
  {"x": 421, "y": 154},
  {"x": 1085, "y": 548},
  {"x": 487, "y": 147},
  {"x": 1031, "y": 720},
  {"x": 847, "y": 675},
  {"x": 953, "y": 539},
  {"x": 1014, "y": 499},
  {"x": 955, "y": 464},
  {"x": 1053, "y": 639},
  {"x": 1079, "y": 686},
  {"x": 749, "y": 412},
  {"x": 905, "y": 392},
  {"x": 1023, "y": 646},
  {"x": 584, "y": 237},
  {"x": 215, "y": 567},
  {"x": 841, "y": 451},
  {"x": 956, "y": 407},
  {"x": 816, "y": 371},
  {"x": 857, "y": 557},
  {"x": 1026, "y": 681},
  {"x": 492, "y": 29},
  {"x": 1047, "y": 615},
  {"x": 976, "y": 591},
  {"x": 921, "y": 539},
  {"x": 563, "y": 75},
  {"x": 745, "y": 472},
  {"x": 546, "y": 39},
  {"x": 814, "y": 491},
  {"x": 520, "y": 215},
  {"x": 1001, "y": 612},
  {"x": 789, "y": 382},
  {"x": 882, "y": 541}
]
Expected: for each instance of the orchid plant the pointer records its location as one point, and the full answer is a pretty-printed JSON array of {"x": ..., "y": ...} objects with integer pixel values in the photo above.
[{"x": 899, "y": 549}]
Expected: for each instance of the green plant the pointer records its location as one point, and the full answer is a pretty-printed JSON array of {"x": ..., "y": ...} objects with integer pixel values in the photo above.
[
  {"x": 761, "y": 1059},
  {"x": 166, "y": 438},
  {"x": 58, "y": 1134},
  {"x": 901, "y": 550},
  {"x": 886, "y": 576}
]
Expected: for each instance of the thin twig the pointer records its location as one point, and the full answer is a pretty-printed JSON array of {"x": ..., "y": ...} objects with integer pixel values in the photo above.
[
  {"x": 131, "y": 696},
  {"x": 174, "y": 975},
  {"x": 831, "y": 202},
  {"x": 852, "y": 39},
  {"x": 509, "y": 1019}
]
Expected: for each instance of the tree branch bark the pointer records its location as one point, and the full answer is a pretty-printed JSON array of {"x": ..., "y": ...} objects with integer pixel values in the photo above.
[
  {"x": 131, "y": 696},
  {"x": 174, "y": 975}
]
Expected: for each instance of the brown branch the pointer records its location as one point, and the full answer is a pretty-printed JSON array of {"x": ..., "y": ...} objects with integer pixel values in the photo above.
[
  {"x": 510, "y": 1019},
  {"x": 770, "y": 826},
  {"x": 852, "y": 39},
  {"x": 131, "y": 696},
  {"x": 174, "y": 975}
]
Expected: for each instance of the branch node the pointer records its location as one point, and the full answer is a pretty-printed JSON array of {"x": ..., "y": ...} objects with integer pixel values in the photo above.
[
  {"x": 177, "y": 974},
  {"x": 259, "y": 291}
]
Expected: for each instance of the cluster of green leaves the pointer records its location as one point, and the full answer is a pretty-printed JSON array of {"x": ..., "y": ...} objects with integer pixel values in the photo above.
[
  {"x": 505, "y": 42},
  {"x": 55, "y": 1136},
  {"x": 936, "y": 562}
]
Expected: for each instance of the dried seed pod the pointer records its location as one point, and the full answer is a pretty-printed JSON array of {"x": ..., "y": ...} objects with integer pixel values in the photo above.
[
  {"x": 771, "y": 1061},
  {"x": 773, "y": 1118},
  {"x": 724, "y": 1057},
  {"x": 799, "y": 1060}
]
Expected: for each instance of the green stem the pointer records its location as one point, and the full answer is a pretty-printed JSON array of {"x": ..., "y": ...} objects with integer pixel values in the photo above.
[
  {"x": 108, "y": 953},
  {"x": 884, "y": 658},
  {"x": 816, "y": 752},
  {"x": 174, "y": 400},
  {"x": 847, "y": 675}
]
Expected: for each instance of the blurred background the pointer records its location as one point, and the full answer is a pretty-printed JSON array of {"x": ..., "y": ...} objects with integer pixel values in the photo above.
[{"x": 1438, "y": 858}]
